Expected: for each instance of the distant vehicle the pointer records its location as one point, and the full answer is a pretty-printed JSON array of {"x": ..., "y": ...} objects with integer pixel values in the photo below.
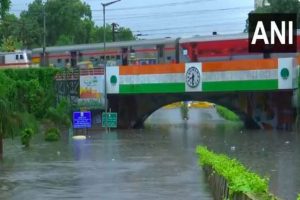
[
  {"x": 17, "y": 59},
  {"x": 154, "y": 51},
  {"x": 85, "y": 65}
]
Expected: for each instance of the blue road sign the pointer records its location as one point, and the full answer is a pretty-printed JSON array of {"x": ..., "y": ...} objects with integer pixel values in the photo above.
[{"x": 82, "y": 119}]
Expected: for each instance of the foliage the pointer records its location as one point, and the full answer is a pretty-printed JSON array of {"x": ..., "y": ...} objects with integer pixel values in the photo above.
[
  {"x": 25, "y": 95},
  {"x": 279, "y": 6},
  {"x": 31, "y": 90},
  {"x": 6, "y": 122},
  {"x": 67, "y": 22},
  {"x": 239, "y": 178},
  {"x": 10, "y": 44},
  {"x": 52, "y": 135},
  {"x": 4, "y": 7},
  {"x": 60, "y": 114},
  {"x": 26, "y": 136},
  {"x": 298, "y": 198},
  {"x": 227, "y": 114}
]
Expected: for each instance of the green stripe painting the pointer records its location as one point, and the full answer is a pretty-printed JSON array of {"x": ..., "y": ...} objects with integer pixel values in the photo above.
[{"x": 240, "y": 85}]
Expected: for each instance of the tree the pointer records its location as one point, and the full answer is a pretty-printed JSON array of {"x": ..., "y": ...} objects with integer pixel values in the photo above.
[
  {"x": 5, "y": 5},
  {"x": 279, "y": 6},
  {"x": 123, "y": 34},
  {"x": 10, "y": 44},
  {"x": 67, "y": 22},
  {"x": 5, "y": 124}
]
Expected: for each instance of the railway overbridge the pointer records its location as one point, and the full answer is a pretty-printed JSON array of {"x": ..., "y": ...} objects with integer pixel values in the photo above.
[{"x": 259, "y": 90}]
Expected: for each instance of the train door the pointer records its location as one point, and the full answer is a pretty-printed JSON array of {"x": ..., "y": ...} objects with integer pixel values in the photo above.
[
  {"x": 125, "y": 56},
  {"x": 160, "y": 53},
  {"x": 44, "y": 61},
  {"x": 74, "y": 58},
  {"x": 2, "y": 59}
]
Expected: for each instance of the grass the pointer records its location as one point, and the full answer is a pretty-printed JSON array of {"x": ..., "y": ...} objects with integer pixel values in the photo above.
[
  {"x": 240, "y": 179},
  {"x": 227, "y": 114}
]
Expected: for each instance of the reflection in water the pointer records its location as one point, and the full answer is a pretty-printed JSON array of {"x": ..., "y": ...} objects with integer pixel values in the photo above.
[{"x": 144, "y": 164}]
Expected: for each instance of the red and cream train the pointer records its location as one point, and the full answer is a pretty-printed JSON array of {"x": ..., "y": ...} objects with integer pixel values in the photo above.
[{"x": 144, "y": 52}]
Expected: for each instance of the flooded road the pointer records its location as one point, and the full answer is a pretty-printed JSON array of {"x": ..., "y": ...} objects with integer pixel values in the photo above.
[
  {"x": 144, "y": 164},
  {"x": 118, "y": 165}
]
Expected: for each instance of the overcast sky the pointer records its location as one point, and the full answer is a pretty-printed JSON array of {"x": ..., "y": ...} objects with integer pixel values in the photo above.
[{"x": 169, "y": 18}]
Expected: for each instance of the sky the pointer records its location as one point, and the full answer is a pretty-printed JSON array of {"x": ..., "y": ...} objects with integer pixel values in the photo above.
[{"x": 169, "y": 18}]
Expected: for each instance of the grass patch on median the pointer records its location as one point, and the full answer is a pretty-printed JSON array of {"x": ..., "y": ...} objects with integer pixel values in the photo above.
[{"x": 240, "y": 179}]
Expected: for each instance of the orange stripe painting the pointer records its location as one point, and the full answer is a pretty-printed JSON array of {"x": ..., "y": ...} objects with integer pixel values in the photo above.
[
  {"x": 240, "y": 65},
  {"x": 298, "y": 60},
  {"x": 153, "y": 69}
]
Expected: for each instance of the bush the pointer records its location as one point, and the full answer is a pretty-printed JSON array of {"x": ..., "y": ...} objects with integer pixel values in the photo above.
[
  {"x": 52, "y": 134},
  {"x": 26, "y": 137},
  {"x": 238, "y": 177},
  {"x": 227, "y": 114},
  {"x": 298, "y": 197},
  {"x": 60, "y": 114}
]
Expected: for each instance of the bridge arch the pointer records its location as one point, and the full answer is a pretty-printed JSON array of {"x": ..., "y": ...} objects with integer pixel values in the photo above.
[{"x": 135, "y": 109}]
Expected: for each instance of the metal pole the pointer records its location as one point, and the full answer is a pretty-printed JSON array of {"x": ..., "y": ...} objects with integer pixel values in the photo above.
[
  {"x": 44, "y": 35},
  {"x": 104, "y": 53},
  {"x": 104, "y": 49}
]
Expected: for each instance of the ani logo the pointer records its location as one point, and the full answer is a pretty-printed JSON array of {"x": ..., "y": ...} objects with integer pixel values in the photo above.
[{"x": 193, "y": 77}]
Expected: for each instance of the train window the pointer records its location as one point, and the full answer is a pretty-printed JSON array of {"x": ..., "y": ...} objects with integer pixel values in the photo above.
[
  {"x": 118, "y": 57},
  {"x": 112, "y": 57},
  {"x": 17, "y": 57},
  {"x": 102, "y": 57},
  {"x": 107, "y": 57},
  {"x": 66, "y": 60},
  {"x": 59, "y": 60},
  {"x": 160, "y": 49},
  {"x": 185, "y": 52},
  {"x": 21, "y": 57}
]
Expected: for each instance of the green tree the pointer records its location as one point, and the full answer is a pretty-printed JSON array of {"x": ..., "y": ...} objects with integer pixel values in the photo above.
[
  {"x": 10, "y": 44},
  {"x": 123, "y": 34},
  {"x": 67, "y": 22},
  {"x": 5, "y": 5},
  {"x": 6, "y": 127},
  {"x": 279, "y": 6}
]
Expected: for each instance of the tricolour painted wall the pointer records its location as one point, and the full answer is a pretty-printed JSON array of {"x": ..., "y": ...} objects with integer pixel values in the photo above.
[{"x": 237, "y": 75}]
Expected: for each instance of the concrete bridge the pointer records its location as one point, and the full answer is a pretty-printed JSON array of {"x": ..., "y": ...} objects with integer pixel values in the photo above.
[{"x": 260, "y": 91}]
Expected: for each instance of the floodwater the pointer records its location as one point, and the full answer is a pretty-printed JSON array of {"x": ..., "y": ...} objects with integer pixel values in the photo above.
[
  {"x": 137, "y": 164},
  {"x": 159, "y": 163}
]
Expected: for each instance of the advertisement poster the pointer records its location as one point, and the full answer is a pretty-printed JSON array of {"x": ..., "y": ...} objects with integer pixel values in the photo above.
[{"x": 92, "y": 91}]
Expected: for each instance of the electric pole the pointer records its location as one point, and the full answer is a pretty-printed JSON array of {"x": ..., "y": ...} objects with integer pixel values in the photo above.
[
  {"x": 44, "y": 35},
  {"x": 114, "y": 31}
]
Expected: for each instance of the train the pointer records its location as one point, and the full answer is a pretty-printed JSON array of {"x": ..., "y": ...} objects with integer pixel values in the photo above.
[
  {"x": 149, "y": 52},
  {"x": 16, "y": 59}
]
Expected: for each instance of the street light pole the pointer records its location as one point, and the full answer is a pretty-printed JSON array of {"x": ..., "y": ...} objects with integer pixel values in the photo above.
[
  {"x": 104, "y": 50},
  {"x": 44, "y": 35}
]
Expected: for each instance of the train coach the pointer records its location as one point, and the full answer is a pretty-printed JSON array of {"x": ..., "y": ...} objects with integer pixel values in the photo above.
[
  {"x": 151, "y": 51},
  {"x": 17, "y": 59}
]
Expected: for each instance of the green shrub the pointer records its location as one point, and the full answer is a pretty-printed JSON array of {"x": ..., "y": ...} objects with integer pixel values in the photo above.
[
  {"x": 298, "y": 197},
  {"x": 52, "y": 134},
  {"x": 60, "y": 114},
  {"x": 227, "y": 114},
  {"x": 26, "y": 137},
  {"x": 239, "y": 178}
]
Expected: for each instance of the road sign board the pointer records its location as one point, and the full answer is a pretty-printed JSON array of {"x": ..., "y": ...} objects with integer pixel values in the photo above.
[
  {"x": 112, "y": 119},
  {"x": 82, "y": 119}
]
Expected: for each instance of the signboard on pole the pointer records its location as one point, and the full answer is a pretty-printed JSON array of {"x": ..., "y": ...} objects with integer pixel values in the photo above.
[
  {"x": 110, "y": 119},
  {"x": 82, "y": 119}
]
